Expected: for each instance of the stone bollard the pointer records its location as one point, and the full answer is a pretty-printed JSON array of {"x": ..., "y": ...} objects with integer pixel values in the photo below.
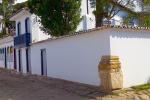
[{"x": 110, "y": 73}]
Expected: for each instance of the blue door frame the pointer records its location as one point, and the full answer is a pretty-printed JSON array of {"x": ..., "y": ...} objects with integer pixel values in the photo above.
[
  {"x": 15, "y": 61},
  {"x": 43, "y": 62},
  {"x": 19, "y": 57},
  {"x": 27, "y": 60},
  {"x": 42, "y": 67},
  {"x": 5, "y": 58}
]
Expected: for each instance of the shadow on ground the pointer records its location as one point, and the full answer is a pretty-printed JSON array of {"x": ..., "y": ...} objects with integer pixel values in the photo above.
[{"x": 15, "y": 86}]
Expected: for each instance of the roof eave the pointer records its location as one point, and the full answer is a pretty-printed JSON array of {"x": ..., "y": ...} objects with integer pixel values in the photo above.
[{"x": 19, "y": 12}]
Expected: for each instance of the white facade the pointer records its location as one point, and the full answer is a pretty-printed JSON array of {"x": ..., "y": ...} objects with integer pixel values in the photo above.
[
  {"x": 7, "y": 52},
  {"x": 73, "y": 58},
  {"x": 37, "y": 33},
  {"x": 79, "y": 56},
  {"x": 132, "y": 46},
  {"x": 76, "y": 58},
  {"x": 26, "y": 23},
  {"x": 138, "y": 5},
  {"x": 33, "y": 25}
]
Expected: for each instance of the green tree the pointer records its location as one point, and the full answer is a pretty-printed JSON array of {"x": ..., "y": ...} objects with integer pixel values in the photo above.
[
  {"x": 7, "y": 10},
  {"x": 19, "y": 6},
  {"x": 146, "y": 2},
  {"x": 58, "y": 17},
  {"x": 145, "y": 21},
  {"x": 143, "y": 17}
]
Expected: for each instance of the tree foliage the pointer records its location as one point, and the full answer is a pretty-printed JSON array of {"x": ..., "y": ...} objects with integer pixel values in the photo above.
[
  {"x": 107, "y": 9},
  {"x": 146, "y": 2},
  {"x": 145, "y": 21},
  {"x": 58, "y": 17},
  {"x": 19, "y": 6},
  {"x": 142, "y": 17},
  {"x": 7, "y": 10}
]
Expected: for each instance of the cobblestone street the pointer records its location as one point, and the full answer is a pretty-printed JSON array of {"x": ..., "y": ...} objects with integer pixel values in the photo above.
[{"x": 14, "y": 86}]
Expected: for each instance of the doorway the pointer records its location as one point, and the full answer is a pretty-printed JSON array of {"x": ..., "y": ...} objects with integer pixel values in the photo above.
[
  {"x": 28, "y": 60},
  {"x": 20, "y": 63},
  {"x": 43, "y": 62},
  {"x": 15, "y": 61},
  {"x": 5, "y": 50}
]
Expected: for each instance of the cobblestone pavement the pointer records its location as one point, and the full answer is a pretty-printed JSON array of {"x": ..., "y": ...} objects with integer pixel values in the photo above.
[
  {"x": 128, "y": 94},
  {"x": 14, "y": 86}
]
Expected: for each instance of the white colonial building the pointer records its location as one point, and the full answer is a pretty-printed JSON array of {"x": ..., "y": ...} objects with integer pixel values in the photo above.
[
  {"x": 27, "y": 31},
  {"x": 76, "y": 57},
  {"x": 7, "y": 52}
]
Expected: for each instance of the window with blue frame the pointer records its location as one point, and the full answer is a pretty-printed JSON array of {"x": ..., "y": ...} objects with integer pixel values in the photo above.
[
  {"x": 11, "y": 52},
  {"x": 1, "y": 53},
  {"x": 27, "y": 25},
  {"x": 19, "y": 28}
]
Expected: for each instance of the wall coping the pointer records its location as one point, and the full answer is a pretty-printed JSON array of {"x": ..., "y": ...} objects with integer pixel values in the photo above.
[{"x": 105, "y": 27}]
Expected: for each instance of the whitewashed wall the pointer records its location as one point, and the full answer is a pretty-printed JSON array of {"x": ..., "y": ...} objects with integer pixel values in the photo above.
[
  {"x": 37, "y": 33},
  {"x": 133, "y": 48},
  {"x": 73, "y": 58},
  {"x": 23, "y": 60},
  {"x": 76, "y": 58}
]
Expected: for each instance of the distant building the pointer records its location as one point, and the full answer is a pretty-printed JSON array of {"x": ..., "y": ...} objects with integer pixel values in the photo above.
[
  {"x": 1, "y": 23},
  {"x": 17, "y": 1},
  {"x": 14, "y": 1},
  {"x": 89, "y": 22},
  {"x": 134, "y": 6}
]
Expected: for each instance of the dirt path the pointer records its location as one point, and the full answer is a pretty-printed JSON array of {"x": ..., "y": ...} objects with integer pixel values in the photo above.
[{"x": 14, "y": 86}]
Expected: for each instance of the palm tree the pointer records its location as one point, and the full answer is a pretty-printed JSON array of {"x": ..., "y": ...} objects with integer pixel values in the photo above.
[
  {"x": 4, "y": 6},
  {"x": 6, "y": 12}
]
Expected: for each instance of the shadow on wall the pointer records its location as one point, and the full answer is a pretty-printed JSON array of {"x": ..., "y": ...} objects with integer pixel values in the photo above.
[{"x": 131, "y": 34}]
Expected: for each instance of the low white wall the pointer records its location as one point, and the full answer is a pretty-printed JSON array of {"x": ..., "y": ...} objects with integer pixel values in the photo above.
[
  {"x": 133, "y": 49},
  {"x": 74, "y": 58}
]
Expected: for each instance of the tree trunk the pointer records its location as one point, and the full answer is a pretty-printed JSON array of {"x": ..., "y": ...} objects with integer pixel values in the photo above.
[
  {"x": 99, "y": 21},
  {"x": 98, "y": 14}
]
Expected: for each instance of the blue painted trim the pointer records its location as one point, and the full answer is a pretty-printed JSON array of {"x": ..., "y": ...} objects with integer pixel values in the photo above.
[
  {"x": 26, "y": 24},
  {"x": 23, "y": 40},
  {"x": 5, "y": 50},
  {"x": 19, "y": 28}
]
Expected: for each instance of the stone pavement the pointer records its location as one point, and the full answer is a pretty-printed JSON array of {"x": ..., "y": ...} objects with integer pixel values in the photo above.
[
  {"x": 15, "y": 86},
  {"x": 126, "y": 94}
]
